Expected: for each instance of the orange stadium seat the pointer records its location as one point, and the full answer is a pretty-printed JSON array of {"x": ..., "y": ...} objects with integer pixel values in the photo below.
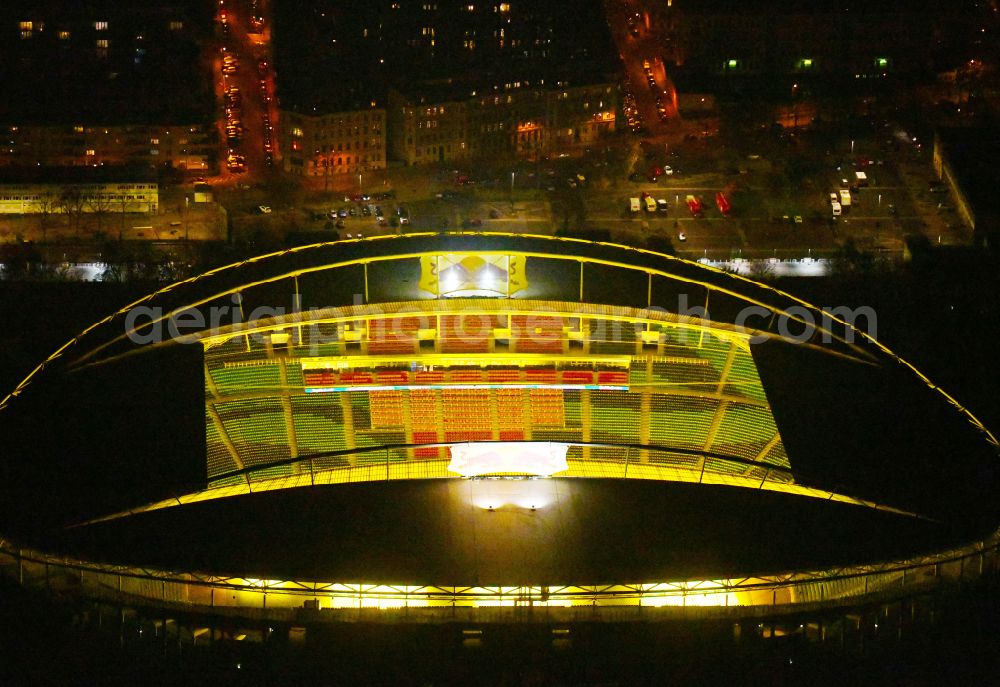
[
  {"x": 547, "y": 407},
  {"x": 429, "y": 377},
  {"x": 425, "y": 438},
  {"x": 393, "y": 335},
  {"x": 387, "y": 377},
  {"x": 466, "y": 376},
  {"x": 537, "y": 334},
  {"x": 387, "y": 408},
  {"x": 320, "y": 377},
  {"x": 612, "y": 377},
  {"x": 577, "y": 377},
  {"x": 468, "y": 334},
  {"x": 501, "y": 376},
  {"x": 541, "y": 376}
]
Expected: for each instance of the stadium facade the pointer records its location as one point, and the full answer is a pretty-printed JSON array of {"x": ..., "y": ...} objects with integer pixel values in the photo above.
[{"x": 576, "y": 379}]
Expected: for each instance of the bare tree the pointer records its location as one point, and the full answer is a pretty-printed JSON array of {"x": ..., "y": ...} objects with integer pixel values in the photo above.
[
  {"x": 46, "y": 204},
  {"x": 100, "y": 205},
  {"x": 72, "y": 202},
  {"x": 122, "y": 208}
]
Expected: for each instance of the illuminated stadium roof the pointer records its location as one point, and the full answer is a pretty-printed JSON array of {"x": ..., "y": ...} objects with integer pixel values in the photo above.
[{"x": 517, "y": 367}]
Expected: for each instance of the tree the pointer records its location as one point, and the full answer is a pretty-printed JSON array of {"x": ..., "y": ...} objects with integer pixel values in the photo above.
[
  {"x": 100, "y": 205},
  {"x": 122, "y": 207},
  {"x": 45, "y": 205},
  {"x": 72, "y": 202}
]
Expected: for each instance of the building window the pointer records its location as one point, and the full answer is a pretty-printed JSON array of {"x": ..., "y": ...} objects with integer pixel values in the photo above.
[
  {"x": 64, "y": 35},
  {"x": 102, "y": 43},
  {"x": 100, "y": 26},
  {"x": 297, "y": 131},
  {"x": 176, "y": 26}
]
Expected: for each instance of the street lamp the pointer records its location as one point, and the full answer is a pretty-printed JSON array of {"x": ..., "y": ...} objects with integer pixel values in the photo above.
[
  {"x": 360, "y": 186},
  {"x": 512, "y": 189}
]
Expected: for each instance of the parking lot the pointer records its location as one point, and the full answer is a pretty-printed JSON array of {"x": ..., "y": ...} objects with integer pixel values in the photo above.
[{"x": 776, "y": 184}]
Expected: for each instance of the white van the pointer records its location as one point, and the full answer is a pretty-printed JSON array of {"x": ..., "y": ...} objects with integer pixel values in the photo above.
[
  {"x": 845, "y": 198},
  {"x": 861, "y": 178},
  {"x": 837, "y": 210},
  {"x": 633, "y": 204}
]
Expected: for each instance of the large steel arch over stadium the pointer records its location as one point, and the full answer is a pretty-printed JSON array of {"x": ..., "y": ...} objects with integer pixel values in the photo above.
[{"x": 383, "y": 248}]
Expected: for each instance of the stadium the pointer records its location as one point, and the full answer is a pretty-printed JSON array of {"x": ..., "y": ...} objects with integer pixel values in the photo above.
[{"x": 478, "y": 429}]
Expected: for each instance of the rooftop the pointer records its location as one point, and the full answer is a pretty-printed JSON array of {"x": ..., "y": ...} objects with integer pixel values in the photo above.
[
  {"x": 973, "y": 154},
  {"x": 103, "y": 62}
]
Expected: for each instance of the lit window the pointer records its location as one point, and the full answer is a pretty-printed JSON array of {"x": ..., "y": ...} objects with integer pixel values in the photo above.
[
  {"x": 90, "y": 152},
  {"x": 100, "y": 26},
  {"x": 807, "y": 63},
  {"x": 102, "y": 43},
  {"x": 154, "y": 141},
  {"x": 732, "y": 64},
  {"x": 27, "y": 25},
  {"x": 64, "y": 35},
  {"x": 882, "y": 62},
  {"x": 297, "y": 132},
  {"x": 176, "y": 25}
]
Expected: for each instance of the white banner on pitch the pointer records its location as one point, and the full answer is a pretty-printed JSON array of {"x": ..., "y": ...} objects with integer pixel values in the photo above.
[{"x": 542, "y": 458}]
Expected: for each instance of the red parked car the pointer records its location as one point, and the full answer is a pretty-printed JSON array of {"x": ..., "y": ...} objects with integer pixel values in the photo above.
[
  {"x": 695, "y": 206},
  {"x": 723, "y": 203}
]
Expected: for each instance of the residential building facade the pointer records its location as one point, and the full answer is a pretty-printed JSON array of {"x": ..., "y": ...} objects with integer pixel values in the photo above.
[
  {"x": 92, "y": 82},
  {"x": 518, "y": 118},
  {"x": 853, "y": 39},
  {"x": 347, "y": 142},
  {"x": 192, "y": 147},
  {"x": 75, "y": 197}
]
